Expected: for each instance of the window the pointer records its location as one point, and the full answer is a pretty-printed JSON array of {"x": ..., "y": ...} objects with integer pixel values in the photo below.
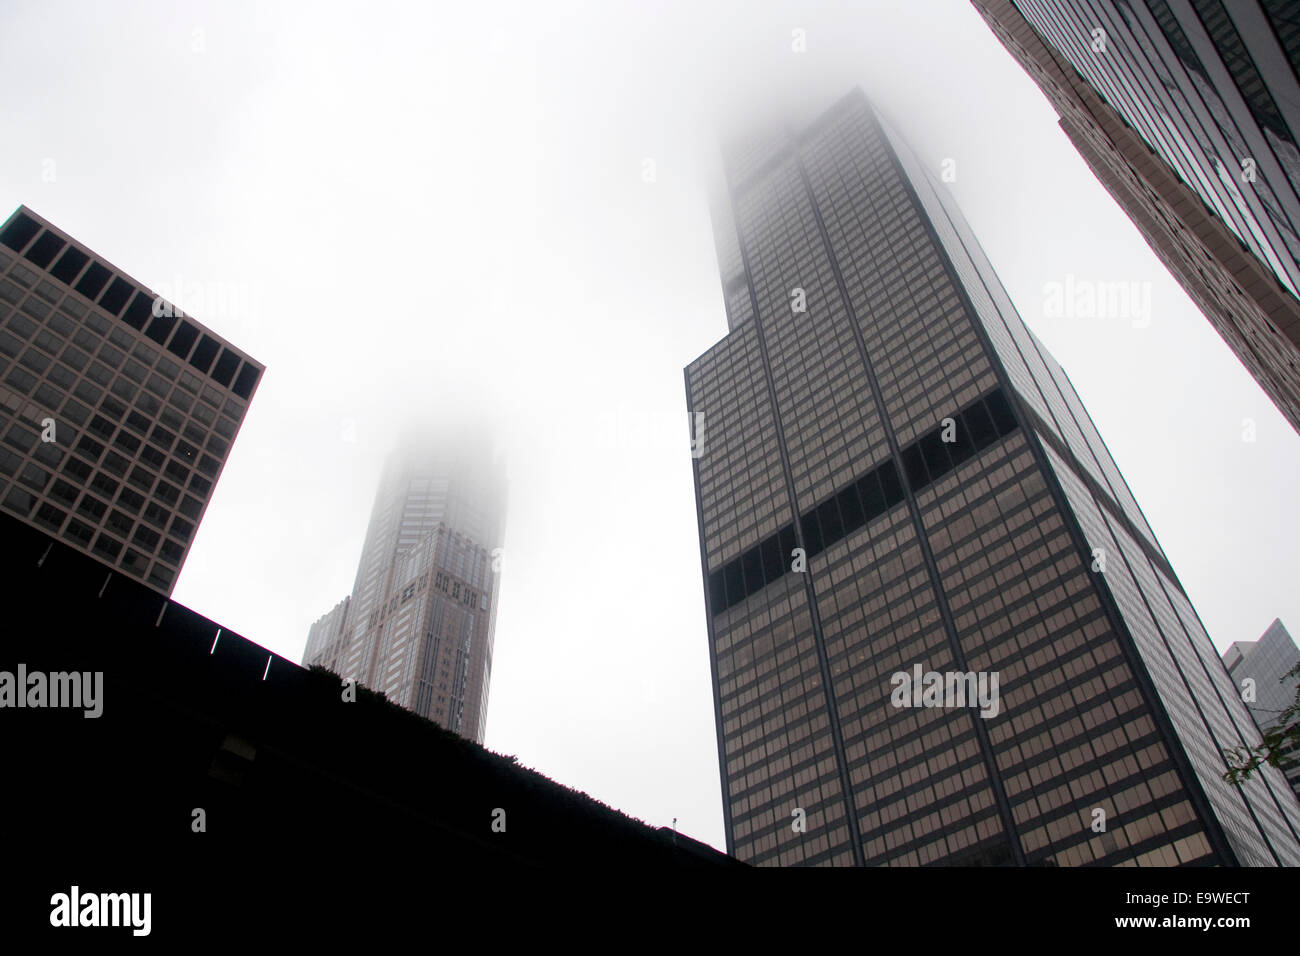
[
  {"x": 131, "y": 500},
  {"x": 105, "y": 485},
  {"x": 19, "y": 231},
  {"x": 114, "y": 298},
  {"x": 225, "y": 367},
  {"x": 167, "y": 493},
  {"x": 47, "y": 396},
  {"x": 102, "y": 427},
  {"x": 127, "y": 442},
  {"x": 163, "y": 438},
  {"x": 147, "y": 403},
  {"x": 139, "y": 311},
  {"x": 156, "y": 515},
  {"x": 204, "y": 354},
  {"x": 134, "y": 371},
  {"x": 182, "y": 342},
  {"x": 79, "y": 531},
  {"x": 50, "y": 516},
  {"x": 92, "y": 507},
  {"x": 138, "y": 423},
  {"x": 63, "y": 491},
  {"x": 77, "y": 468},
  {"x": 152, "y": 457},
  {"x": 161, "y": 327},
  {"x": 119, "y": 523},
  {"x": 34, "y": 477},
  {"x": 75, "y": 357},
  {"x": 88, "y": 393},
  {"x": 36, "y": 361},
  {"x": 116, "y": 463},
  {"x": 62, "y": 376},
  {"x": 21, "y": 325},
  {"x": 44, "y": 249},
  {"x": 99, "y": 374},
  {"x": 245, "y": 381},
  {"x": 108, "y": 546},
  {"x": 20, "y": 437},
  {"x": 110, "y": 356},
  {"x": 72, "y": 262}
]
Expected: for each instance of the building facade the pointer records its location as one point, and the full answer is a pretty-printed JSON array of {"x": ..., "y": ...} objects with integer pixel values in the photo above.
[
  {"x": 1187, "y": 111},
  {"x": 420, "y": 621},
  {"x": 1266, "y": 662},
  {"x": 117, "y": 411},
  {"x": 896, "y": 481}
]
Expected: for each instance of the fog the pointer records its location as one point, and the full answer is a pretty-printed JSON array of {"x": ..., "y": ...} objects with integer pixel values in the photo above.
[{"x": 497, "y": 213}]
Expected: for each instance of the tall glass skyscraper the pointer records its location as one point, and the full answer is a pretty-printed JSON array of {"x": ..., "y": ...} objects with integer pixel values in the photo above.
[
  {"x": 1188, "y": 111},
  {"x": 420, "y": 621},
  {"x": 898, "y": 485}
]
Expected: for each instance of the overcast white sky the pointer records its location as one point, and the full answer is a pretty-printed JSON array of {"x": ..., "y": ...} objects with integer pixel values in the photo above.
[{"x": 403, "y": 210}]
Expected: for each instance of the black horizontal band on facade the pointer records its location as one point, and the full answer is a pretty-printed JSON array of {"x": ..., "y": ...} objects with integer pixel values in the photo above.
[{"x": 974, "y": 428}]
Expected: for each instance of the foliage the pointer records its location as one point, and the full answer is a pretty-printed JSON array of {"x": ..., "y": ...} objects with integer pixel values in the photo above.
[{"x": 1243, "y": 761}]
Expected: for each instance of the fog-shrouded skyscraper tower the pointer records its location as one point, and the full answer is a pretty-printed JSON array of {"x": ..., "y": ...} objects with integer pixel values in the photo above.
[
  {"x": 420, "y": 621},
  {"x": 941, "y": 630}
]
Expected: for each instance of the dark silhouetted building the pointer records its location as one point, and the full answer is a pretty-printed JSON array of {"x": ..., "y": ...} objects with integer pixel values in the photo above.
[
  {"x": 1187, "y": 112},
  {"x": 897, "y": 483},
  {"x": 217, "y": 775}
]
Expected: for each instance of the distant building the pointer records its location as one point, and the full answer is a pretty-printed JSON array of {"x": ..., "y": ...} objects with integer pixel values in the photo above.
[
  {"x": 1188, "y": 113},
  {"x": 117, "y": 411},
  {"x": 1266, "y": 661},
  {"x": 420, "y": 621},
  {"x": 897, "y": 483}
]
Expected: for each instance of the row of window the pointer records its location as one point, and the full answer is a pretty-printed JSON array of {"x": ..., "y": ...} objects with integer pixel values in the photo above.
[
  {"x": 975, "y": 427},
  {"x": 84, "y": 351},
  {"x": 133, "y": 307}
]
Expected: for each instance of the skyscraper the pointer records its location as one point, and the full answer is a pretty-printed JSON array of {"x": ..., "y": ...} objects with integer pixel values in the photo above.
[
  {"x": 117, "y": 411},
  {"x": 896, "y": 483},
  {"x": 1188, "y": 111},
  {"x": 420, "y": 621},
  {"x": 1266, "y": 662}
]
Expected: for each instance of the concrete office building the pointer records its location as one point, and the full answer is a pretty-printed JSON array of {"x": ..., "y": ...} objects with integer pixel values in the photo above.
[
  {"x": 117, "y": 411},
  {"x": 895, "y": 476},
  {"x": 1266, "y": 662},
  {"x": 420, "y": 621},
  {"x": 1187, "y": 111}
]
